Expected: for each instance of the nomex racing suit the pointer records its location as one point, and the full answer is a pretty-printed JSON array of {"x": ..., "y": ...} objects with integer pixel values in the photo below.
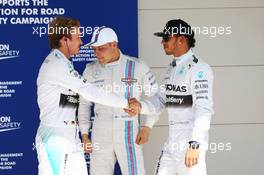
[
  {"x": 57, "y": 141},
  {"x": 114, "y": 132},
  {"x": 188, "y": 98}
]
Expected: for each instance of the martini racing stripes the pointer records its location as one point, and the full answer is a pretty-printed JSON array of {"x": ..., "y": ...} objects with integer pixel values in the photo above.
[
  {"x": 130, "y": 148},
  {"x": 129, "y": 136},
  {"x": 129, "y": 74}
]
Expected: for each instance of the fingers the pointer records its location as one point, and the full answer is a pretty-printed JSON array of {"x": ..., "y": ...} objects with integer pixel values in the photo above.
[
  {"x": 88, "y": 150},
  {"x": 187, "y": 161},
  {"x": 130, "y": 112},
  {"x": 143, "y": 140},
  {"x": 143, "y": 135},
  {"x": 88, "y": 147},
  {"x": 86, "y": 143},
  {"x": 191, "y": 158},
  {"x": 138, "y": 139},
  {"x": 195, "y": 161},
  {"x": 134, "y": 106}
]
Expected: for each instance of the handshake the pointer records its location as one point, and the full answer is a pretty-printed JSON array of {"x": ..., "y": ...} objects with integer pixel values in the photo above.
[{"x": 134, "y": 107}]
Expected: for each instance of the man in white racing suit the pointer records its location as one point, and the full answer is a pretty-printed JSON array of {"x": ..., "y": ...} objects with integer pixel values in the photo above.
[
  {"x": 116, "y": 135},
  {"x": 187, "y": 95},
  {"x": 58, "y": 145}
]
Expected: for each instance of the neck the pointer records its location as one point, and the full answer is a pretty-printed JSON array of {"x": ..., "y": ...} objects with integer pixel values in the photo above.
[
  {"x": 181, "y": 52},
  {"x": 65, "y": 51}
]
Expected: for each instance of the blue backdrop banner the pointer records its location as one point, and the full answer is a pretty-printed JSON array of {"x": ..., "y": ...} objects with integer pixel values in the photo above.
[{"x": 24, "y": 46}]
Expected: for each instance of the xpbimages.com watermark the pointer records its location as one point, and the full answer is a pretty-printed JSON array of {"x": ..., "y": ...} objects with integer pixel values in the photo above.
[
  {"x": 146, "y": 89},
  {"x": 59, "y": 144},
  {"x": 210, "y": 31},
  {"x": 58, "y": 30},
  {"x": 212, "y": 147}
]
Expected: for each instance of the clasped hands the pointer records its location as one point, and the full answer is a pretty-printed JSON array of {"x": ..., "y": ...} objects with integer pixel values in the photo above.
[{"x": 134, "y": 107}]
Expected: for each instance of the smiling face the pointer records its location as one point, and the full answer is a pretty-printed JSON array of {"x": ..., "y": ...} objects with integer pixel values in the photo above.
[{"x": 75, "y": 42}]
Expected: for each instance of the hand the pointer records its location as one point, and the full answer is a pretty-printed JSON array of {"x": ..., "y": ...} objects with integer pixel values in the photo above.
[
  {"x": 191, "y": 157},
  {"x": 87, "y": 144},
  {"x": 134, "y": 107},
  {"x": 143, "y": 135}
]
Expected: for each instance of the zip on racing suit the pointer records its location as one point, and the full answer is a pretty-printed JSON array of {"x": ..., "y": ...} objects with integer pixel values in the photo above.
[
  {"x": 114, "y": 132},
  {"x": 188, "y": 86},
  {"x": 57, "y": 141}
]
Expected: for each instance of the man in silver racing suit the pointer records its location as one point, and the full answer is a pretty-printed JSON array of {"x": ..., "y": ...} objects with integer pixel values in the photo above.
[
  {"x": 187, "y": 95},
  {"x": 115, "y": 135},
  {"x": 58, "y": 145}
]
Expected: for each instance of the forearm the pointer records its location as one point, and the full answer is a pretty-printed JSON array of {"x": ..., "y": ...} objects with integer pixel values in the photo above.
[
  {"x": 201, "y": 124},
  {"x": 153, "y": 105}
]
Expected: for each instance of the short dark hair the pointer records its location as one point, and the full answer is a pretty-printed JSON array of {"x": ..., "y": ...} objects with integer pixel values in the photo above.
[
  {"x": 58, "y": 28},
  {"x": 190, "y": 40}
]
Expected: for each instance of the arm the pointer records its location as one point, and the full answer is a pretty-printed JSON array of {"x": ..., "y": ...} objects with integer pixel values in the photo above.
[
  {"x": 84, "y": 110},
  {"x": 84, "y": 118},
  {"x": 202, "y": 89},
  {"x": 153, "y": 105},
  {"x": 75, "y": 82},
  {"x": 150, "y": 87},
  {"x": 84, "y": 115}
]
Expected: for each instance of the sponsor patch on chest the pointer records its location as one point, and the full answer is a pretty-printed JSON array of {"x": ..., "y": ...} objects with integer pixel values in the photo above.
[
  {"x": 176, "y": 88},
  {"x": 128, "y": 80}
]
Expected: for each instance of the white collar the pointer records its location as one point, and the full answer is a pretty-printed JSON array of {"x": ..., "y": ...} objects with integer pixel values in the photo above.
[
  {"x": 115, "y": 63},
  {"x": 59, "y": 54},
  {"x": 184, "y": 57}
]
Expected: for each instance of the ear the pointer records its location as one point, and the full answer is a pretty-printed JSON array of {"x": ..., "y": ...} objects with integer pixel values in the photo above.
[
  {"x": 115, "y": 44},
  {"x": 181, "y": 40},
  {"x": 63, "y": 40}
]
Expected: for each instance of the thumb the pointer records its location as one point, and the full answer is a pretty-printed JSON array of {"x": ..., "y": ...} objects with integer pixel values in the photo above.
[{"x": 138, "y": 139}]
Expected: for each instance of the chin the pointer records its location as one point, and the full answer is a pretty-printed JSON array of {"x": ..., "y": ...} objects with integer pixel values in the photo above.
[
  {"x": 77, "y": 52},
  {"x": 168, "y": 53}
]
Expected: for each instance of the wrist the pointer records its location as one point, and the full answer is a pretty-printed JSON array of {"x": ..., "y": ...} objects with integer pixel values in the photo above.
[
  {"x": 85, "y": 137},
  {"x": 194, "y": 145},
  {"x": 147, "y": 128}
]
